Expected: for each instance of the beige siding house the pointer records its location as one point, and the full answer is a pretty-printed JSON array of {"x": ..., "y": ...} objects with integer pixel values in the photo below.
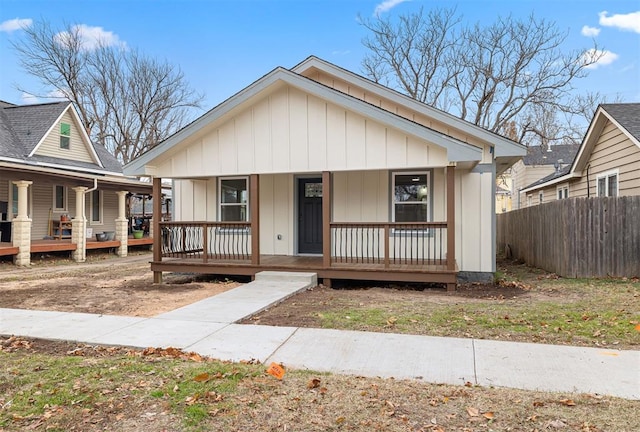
[
  {"x": 55, "y": 184},
  {"x": 607, "y": 162},
  {"x": 319, "y": 169}
]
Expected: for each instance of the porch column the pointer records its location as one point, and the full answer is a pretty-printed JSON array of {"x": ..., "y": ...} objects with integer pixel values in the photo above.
[
  {"x": 21, "y": 225},
  {"x": 451, "y": 222},
  {"x": 254, "y": 206},
  {"x": 326, "y": 221},
  {"x": 155, "y": 226},
  {"x": 122, "y": 225},
  {"x": 79, "y": 227}
]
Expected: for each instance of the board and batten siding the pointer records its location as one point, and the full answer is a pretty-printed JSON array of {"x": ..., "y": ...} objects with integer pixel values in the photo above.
[
  {"x": 290, "y": 131},
  {"x": 77, "y": 150},
  {"x": 359, "y": 196}
]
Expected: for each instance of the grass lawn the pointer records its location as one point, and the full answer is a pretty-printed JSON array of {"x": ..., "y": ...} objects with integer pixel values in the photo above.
[{"x": 54, "y": 386}]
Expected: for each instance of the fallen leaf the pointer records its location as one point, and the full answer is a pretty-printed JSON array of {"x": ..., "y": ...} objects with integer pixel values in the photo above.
[
  {"x": 538, "y": 404},
  {"x": 473, "y": 412},
  {"x": 488, "y": 415},
  {"x": 392, "y": 320},
  {"x": 313, "y": 383},
  {"x": 203, "y": 377},
  {"x": 556, "y": 424},
  {"x": 340, "y": 420},
  {"x": 567, "y": 402}
]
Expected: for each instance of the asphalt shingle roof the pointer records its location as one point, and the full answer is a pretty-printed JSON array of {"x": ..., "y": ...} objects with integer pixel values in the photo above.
[
  {"x": 537, "y": 155},
  {"x": 23, "y": 126},
  {"x": 627, "y": 115}
]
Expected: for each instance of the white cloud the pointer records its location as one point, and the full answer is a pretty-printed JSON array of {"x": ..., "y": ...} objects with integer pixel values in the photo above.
[
  {"x": 91, "y": 37},
  {"x": 630, "y": 21},
  {"x": 15, "y": 24},
  {"x": 590, "y": 31},
  {"x": 386, "y": 6},
  {"x": 605, "y": 58},
  {"x": 29, "y": 99}
]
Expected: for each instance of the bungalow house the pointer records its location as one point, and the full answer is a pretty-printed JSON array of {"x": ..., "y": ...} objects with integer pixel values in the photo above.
[
  {"x": 56, "y": 186},
  {"x": 606, "y": 164},
  {"x": 319, "y": 169},
  {"x": 539, "y": 162}
]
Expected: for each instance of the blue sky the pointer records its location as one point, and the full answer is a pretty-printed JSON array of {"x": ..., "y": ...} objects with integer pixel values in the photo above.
[{"x": 222, "y": 46}]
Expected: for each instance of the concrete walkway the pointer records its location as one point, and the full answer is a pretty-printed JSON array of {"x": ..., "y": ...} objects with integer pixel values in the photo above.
[{"x": 207, "y": 327}]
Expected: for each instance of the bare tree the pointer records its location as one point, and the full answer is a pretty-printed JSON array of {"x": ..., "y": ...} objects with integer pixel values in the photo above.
[
  {"x": 509, "y": 71},
  {"x": 128, "y": 102}
]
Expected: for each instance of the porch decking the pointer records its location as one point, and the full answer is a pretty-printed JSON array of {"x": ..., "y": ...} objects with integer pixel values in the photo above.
[
  {"x": 436, "y": 273},
  {"x": 44, "y": 246}
]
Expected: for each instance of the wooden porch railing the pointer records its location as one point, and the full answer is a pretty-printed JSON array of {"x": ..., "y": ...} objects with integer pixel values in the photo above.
[
  {"x": 206, "y": 240},
  {"x": 389, "y": 243}
]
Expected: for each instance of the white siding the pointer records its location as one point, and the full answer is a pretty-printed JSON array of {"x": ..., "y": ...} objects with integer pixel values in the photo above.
[
  {"x": 290, "y": 131},
  {"x": 78, "y": 151}
]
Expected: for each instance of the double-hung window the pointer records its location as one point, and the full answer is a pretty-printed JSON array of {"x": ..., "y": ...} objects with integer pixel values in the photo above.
[
  {"x": 234, "y": 199},
  {"x": 563, "y": 191},
  {"x": 59, "y": 198},
  {"x": 411, "y": 197},
  {"x": 65, "y": 136},
  {"x": 96, "y": 207},
  {"x": 607, "y": 184}
]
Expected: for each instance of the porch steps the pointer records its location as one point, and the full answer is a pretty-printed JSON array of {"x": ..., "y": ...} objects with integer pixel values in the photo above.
[{"x": 268, "y": 289}]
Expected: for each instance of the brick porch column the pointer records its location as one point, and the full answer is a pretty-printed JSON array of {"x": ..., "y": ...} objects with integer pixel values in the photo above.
[
  {"x": 122, "y": 225},
  {"x": 21, "y": 226},
  {"x": 79, "y": 227}
]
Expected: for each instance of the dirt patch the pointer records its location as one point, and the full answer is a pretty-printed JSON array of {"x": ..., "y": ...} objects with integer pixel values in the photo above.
[{"x": 113, "y": 287}]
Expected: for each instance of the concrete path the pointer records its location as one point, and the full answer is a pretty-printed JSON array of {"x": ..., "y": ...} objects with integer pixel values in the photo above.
[{"x": 207, "y": 327}]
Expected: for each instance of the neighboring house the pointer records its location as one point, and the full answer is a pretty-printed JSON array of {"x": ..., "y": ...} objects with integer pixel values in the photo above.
[
  {"x": 607, "y": 162},
  {"x": 48, "y": 171},
  {"x": 319, "y": 169},
  {"x": 540, "y": 162},
  {"x": 503, "y": 192}
]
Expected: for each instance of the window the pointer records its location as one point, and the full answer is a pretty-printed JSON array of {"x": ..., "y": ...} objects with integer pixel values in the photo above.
[
  {"x": 563, "y": 191},
  {"x": 96, "y": 207},
  {"x": 234, "y": 199},
  {"x": 411, "y": 197},
  {"x": 607, "y": 184},
  {"x": 540, "y": 197},
  {"x": 65, "y": 135},
  {"x": 59, "y": 198}
]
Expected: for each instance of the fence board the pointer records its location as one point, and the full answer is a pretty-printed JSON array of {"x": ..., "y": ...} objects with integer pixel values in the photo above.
[{"x": 576, "y": 237}]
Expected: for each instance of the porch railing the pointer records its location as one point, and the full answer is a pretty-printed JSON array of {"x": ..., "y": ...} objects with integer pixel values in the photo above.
[
  {"x": 206, "y": 240},
  {"x": 389, "y": 243}
]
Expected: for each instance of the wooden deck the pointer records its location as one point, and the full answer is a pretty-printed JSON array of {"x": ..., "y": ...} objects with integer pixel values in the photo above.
[
  {"x": 44, "y": 246},
  {"x": 435, "y": 273}
]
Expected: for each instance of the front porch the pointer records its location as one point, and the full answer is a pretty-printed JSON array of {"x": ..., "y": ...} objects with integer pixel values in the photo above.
[
  {"x": 66, "y": 245},
  {"x": 387, "y": 251}
]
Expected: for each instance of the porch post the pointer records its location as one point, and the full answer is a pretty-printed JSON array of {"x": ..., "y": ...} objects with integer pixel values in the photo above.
[
  {"x": 122, "y": 225},
  {"x": 79, "y": 227},
  {"x": 254, "y": 214},
  {"x": 155, "y": 222},
  {"x": 451, "y": 220},
  {"x": 326, "y": 221},
  {"x": 21, "y": 225}
]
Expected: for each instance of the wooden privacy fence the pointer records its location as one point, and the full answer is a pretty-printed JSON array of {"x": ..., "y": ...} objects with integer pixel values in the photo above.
[{"x": 576, "y": 237}]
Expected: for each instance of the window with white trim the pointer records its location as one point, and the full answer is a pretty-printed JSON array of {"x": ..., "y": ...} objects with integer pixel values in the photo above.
[
  {"x": 234, "y": 199},
  {"x": 96, "y": 207},
  {"x": 59, "y": 198},
  {"x": 65, "y": 136},
  {"x": 410, "y": 196},
  {"x": 562, "y": 191},
  {"x": 607, "y": 184},
  {"x": 540, "y": 197}
]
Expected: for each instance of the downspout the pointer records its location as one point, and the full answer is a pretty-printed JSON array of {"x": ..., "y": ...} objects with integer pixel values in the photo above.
[
  {"x": 95, "y": 186},
  {"x": 588, "y": 183}
]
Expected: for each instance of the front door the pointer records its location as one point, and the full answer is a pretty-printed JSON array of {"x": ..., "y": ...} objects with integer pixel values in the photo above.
[{"x": 310, "y": 215}]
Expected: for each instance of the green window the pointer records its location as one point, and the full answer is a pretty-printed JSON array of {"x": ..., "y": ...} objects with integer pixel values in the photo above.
[{"x": 65, "y": 135}]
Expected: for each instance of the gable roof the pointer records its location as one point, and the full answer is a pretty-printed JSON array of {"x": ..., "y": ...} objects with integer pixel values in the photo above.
[
  {"x": 457, "y": 150},
  {"x": 24, "y": 127},
  {"x": 560, "y": 153},
  {"x": 626, "y": 116},
  {"x": 504, "y": 147}
]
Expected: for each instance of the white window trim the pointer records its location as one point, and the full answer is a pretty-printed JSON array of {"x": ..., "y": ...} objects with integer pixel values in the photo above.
[
  {"x": 606, "y": 175},
  {"x": 393, "y": 195},
  {"x": 561, "y": 188},
  {"x": 65, "y": 198},
  {"x": 100, "y": 206},
  {"x": 221, "y": 204},
  {"x": 541, "y": 197},
  {"x": 60, "y": 135}
]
